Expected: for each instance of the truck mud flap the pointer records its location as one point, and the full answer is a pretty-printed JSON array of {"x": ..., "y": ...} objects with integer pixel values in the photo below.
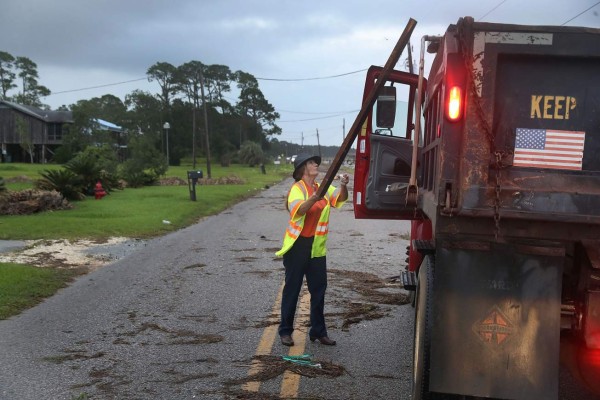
[{"x": 496, "y": 320}]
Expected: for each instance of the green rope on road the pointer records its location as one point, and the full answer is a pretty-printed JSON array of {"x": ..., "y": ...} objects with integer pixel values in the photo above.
[
  {"x": 304, "y": 360},
  {"x": 301, "y": 357}
]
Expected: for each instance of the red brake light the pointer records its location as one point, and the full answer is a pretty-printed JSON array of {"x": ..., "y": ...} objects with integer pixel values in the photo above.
[{"x": 454, "y": 105}]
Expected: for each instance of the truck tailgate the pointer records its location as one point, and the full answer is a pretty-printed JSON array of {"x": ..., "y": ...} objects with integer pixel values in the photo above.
[
  {"x": 540, "y": 92},
  {"x": 548, "y": 111}
]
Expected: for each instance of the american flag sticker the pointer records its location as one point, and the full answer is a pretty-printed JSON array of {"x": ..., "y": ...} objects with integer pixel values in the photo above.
[{"x": 546, "y": 148}]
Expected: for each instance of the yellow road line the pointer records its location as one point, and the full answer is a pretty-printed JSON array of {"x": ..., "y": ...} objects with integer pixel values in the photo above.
[
  {"x": 264, "y": 346},
  {"x": 291, "y": 381}
]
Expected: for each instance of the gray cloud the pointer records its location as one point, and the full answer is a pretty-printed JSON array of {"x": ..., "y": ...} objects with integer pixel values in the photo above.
[{"x": 94, "y": 42}]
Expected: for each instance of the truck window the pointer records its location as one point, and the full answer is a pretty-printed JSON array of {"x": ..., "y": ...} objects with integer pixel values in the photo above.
[
  {"x": 391, "y": 151},
  {"x": 398, "y": 127}
]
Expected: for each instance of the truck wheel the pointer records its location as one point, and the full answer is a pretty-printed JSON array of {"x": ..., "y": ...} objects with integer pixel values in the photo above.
[{"x": 422, "y": 331}]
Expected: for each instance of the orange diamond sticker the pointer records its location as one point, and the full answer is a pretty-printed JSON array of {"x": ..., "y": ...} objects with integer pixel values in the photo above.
[{"x": 495, "y": 328}]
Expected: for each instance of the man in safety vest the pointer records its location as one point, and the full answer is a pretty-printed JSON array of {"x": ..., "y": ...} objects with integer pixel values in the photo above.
[{"x": 304, "y": 247}]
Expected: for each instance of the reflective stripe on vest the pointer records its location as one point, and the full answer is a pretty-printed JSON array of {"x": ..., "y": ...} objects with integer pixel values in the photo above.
[
  {"x": 294, "y": 206},
  {"x": 322, "y": 228},
  {"x": 294, "y": 230}
]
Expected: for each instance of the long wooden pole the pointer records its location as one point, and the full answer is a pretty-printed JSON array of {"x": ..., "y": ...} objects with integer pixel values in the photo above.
[{"x": 364, "y": 111}]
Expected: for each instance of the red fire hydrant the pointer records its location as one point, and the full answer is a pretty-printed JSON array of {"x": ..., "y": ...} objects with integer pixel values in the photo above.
[{"x": 99, "y": 191}]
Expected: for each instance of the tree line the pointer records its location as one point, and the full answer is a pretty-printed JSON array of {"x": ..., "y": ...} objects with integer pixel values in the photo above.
[
  {"x": 192, "y": 98},
  {"x": 23, "y": 69}
]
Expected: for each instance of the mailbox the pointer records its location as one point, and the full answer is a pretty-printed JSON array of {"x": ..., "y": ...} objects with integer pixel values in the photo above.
[{"x": 193, "y": 177}]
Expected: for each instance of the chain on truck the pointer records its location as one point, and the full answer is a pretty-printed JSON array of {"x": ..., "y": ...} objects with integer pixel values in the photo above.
[{"x": 494, "y": 159}]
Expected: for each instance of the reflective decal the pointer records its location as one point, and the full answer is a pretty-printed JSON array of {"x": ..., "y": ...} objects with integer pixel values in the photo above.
[{"x": 495, "y": 328}]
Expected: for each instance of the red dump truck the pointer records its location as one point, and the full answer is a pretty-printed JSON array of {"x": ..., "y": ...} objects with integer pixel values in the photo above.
[{"x": 495, "y": 158}]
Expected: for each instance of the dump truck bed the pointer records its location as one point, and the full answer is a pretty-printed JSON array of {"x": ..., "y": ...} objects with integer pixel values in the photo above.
[{"x": 531, "y": 137}]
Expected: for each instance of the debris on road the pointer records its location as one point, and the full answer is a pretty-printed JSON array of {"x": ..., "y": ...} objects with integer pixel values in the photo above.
[{"x": 274, "y": 366}]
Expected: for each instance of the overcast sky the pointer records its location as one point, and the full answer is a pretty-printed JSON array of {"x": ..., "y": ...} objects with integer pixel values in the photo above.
[{"x": 79, "y": 44}]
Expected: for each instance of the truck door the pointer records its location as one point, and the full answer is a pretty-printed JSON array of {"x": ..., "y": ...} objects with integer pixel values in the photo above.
[{"x": 384, "y": 150}]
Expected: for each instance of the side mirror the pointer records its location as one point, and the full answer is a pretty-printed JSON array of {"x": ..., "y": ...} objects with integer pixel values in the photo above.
[
  {"x": 386, "y": 107},
  {"x": 433, "y": 46}
]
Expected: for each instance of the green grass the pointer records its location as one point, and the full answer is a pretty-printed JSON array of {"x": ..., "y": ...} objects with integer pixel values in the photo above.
[
  {"x": 17, "y": 170},
  {"x": 23, "y": 286},
  {"x": 140, "y": 212},
  {"x": 131, "y": 212}
]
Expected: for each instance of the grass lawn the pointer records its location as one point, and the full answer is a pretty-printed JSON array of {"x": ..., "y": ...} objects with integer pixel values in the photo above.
[
  {"x": 23, "y": 286},
  {"x": 135, "y": 213}
]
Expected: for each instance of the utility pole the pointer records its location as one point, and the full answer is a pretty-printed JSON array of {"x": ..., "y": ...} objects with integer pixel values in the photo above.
[
  {"x": 318, "y": 143},
  {"x": 302, "y": 140},
  {"x": 343, "y": 129},
  {"x": 205, "y": 125},
  {"x": 194, "y": 134},
  {"x": 410, "y": 60}
]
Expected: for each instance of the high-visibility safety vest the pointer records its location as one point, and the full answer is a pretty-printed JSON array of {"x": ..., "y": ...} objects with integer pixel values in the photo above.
[{"x": 297, "y": 195}]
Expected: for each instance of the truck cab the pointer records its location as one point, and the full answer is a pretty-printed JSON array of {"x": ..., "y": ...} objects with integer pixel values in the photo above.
[{"x": 493, "y": 157}]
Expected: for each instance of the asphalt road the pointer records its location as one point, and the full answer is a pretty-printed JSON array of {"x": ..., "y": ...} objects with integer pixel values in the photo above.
[
  {"x": 184, "y": 316},
  {"x": 193, "y": 315}
]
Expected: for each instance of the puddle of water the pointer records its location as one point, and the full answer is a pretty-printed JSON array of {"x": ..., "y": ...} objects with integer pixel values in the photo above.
[
  {"x": 116, "y": 251},
  {"x": 11, "y": 245}
]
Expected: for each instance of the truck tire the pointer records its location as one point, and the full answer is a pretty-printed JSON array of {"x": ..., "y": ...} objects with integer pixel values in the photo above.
[{"x": 422, "y": 331}]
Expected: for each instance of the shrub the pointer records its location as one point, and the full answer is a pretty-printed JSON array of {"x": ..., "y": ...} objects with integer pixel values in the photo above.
[
  {"x": 145, "y": 165},
  {"x": 136, "y": 177},
  {"x": 95, "y": 164},
  {"x": 64, "y": 181},
  {"x": 251, "y": 154},
  {"x": 87, "y": 170},
  {"x": 2, "y": 186}
]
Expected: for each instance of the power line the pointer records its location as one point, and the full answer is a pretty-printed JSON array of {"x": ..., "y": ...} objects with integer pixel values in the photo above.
[
  {"x": 139, "y": 79},
  {"x": 310, "y": 79},
  {"x": 97, "y": 87},
  {"x": 489, "y": 12},
  {"x": 583, "y": 12},
  {"x": 263, "y": 79},
  {"x": 317, "y": 118},
  {"x": 316, "y": 113}
]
